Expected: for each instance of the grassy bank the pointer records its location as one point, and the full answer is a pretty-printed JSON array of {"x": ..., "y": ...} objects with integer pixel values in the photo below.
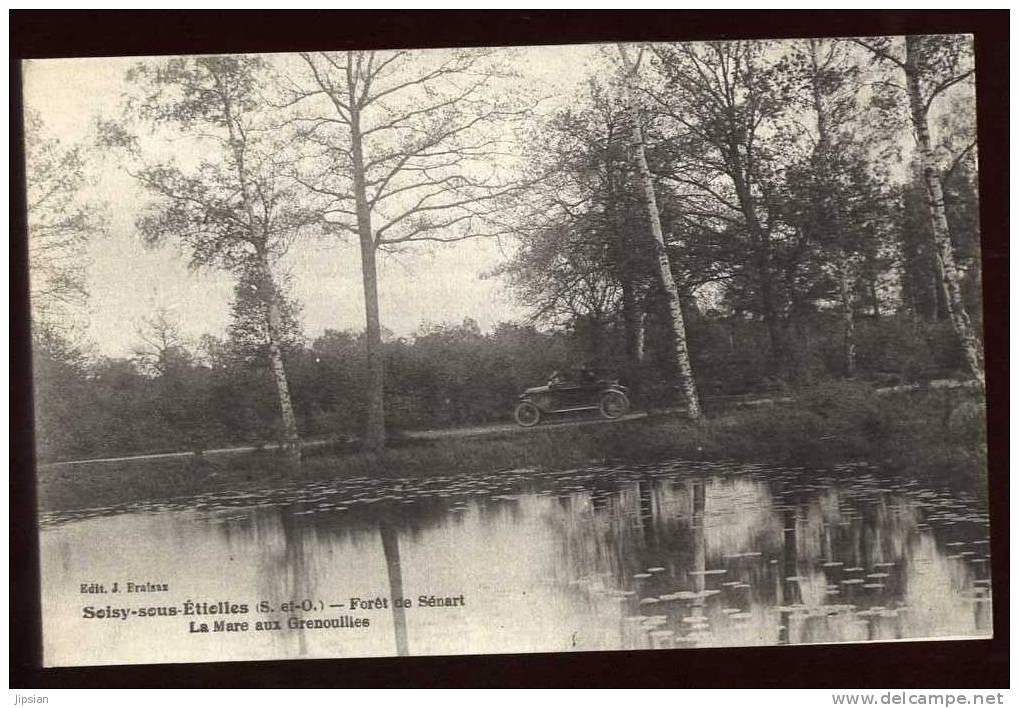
[{"x": 932, "y": 435}]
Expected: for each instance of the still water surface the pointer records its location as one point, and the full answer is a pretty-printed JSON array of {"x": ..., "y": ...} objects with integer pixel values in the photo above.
[{"x": 677, "y": 554}]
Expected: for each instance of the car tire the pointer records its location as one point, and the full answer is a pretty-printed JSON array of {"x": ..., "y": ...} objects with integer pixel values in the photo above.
[
  {"x": 613, "y": 404},
  {"x": 527, "y": 415}
]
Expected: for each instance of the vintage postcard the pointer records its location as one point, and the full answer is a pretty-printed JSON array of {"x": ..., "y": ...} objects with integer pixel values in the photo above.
[{"x": 527, "y": 349}]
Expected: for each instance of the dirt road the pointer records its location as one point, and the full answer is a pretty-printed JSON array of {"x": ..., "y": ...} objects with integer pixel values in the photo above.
[{"x": 495, "y": 428}]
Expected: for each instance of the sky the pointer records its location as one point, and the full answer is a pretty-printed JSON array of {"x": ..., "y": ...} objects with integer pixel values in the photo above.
[
  {"x": 427, "y": 284},
  {"x": 128, "y": 282}
]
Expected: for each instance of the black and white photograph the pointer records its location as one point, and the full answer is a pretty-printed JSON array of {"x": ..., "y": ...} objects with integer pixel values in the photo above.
[{"x": 582, "y": 347}]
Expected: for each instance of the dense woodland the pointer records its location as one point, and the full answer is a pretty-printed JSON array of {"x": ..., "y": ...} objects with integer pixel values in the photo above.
[{"x": 711, "y": 220}]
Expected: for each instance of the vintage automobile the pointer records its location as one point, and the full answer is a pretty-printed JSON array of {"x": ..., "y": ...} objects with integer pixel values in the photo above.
[{"x": 582, "y": 391}]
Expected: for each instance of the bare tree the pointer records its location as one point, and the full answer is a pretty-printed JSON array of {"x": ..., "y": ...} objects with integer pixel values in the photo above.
[
  {"x": 162, "y": 344},
  {"x": 564, "y": 274},
  {"x": 405, "y": 147},
  {"x": 930, "y": 66},
  {"x": 631, "y": 68},
  {"x": 60, "y": 224},
  {"x": 237, "y": 210}
]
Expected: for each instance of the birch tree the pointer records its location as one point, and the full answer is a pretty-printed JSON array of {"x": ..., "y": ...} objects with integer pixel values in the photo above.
[
  {"x": 930, "y": 66},
  {"x": 631, "y": 69},
  {"x": 236, "y": 209},
  {"x": 406, "y": 148}
]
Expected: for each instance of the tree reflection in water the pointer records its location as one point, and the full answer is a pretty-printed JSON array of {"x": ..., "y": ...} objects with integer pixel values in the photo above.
[
  {"x": 677, "y": 555},
  {"x": 391, "y": 549},
  {"x": 790, "y": 593}
]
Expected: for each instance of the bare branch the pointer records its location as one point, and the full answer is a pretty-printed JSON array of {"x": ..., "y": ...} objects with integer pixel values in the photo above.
[
  {"x": 945, "y": 85},
  {"x": 878, "y": 52}
]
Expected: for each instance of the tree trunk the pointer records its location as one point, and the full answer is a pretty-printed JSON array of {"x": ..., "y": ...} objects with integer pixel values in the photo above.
[
  {"x": 671, "y": 292},
  {"x": 641, "y": 336},
  {"x": 631, "y": 324},
  {"x": 375, "y": 423},
  {"x": 761, "y": 255},
  {"x": 624, "y": 274},
  {"x": 769, "y": 312},
  {"x": 848, "y": 324},
  {"x": 274, "y": 327},
  {"x": 259, "y": 237},
  {"x": 947, "y": 269},
  {"x": 940, "y": 313}
]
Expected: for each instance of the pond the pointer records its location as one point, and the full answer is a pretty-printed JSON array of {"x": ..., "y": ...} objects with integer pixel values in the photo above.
[{"x": 673, "y": 555}]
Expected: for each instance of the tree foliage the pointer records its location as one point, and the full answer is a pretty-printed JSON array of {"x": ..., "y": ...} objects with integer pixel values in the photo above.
[{"x": 61, "y": 222}]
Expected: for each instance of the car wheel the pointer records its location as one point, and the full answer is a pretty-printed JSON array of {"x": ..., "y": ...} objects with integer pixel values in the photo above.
[
  {"x": 613, "y": 404},
  {"x": 527, "y": 415}
]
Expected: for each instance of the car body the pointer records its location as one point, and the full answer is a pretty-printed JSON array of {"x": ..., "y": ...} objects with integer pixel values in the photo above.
[{"x": 608, "y": 397}]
